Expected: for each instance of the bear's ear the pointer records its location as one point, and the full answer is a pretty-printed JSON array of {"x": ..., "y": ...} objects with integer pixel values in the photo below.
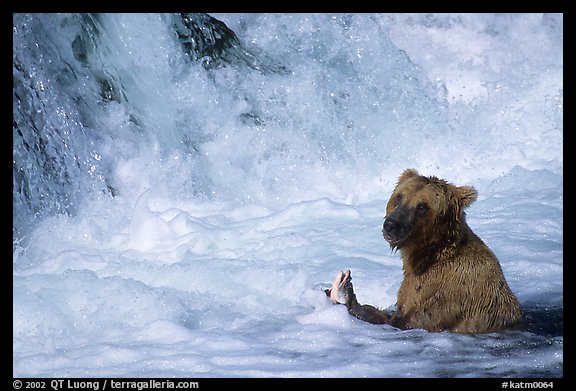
[
  {"x": 464, "y": 195},
  {"x": 408, "y": 173},
  {"x": 460, "y": 198}
]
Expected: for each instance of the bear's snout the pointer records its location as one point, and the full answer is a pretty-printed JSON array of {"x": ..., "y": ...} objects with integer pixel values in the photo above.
[{"x": 394, "y": 230}]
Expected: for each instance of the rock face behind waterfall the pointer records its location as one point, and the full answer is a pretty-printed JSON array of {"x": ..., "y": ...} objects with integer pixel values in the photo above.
[
  {"x": 207, "y": 39},
  {"x": 53, "y": 121}
]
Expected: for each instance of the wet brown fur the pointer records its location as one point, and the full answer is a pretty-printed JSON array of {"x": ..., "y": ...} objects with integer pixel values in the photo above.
[{"x": 452, "y": 280}]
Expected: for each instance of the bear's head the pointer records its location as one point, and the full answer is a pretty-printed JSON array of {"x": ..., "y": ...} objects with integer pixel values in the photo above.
[{"x": 425, "y": 211}]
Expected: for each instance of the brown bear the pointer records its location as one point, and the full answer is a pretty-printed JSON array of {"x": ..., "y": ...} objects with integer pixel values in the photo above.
[{"x": 452, "y": 280}]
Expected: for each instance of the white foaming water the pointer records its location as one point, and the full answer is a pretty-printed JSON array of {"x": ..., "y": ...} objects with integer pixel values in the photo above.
[{"x": 240, "y": 194}]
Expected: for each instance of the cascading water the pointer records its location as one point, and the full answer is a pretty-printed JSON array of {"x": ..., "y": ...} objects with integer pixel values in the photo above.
[{"x": 89, "y": 91}]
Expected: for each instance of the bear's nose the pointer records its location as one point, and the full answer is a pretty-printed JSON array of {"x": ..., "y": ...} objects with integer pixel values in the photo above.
[{"x": 390, "y": 225}]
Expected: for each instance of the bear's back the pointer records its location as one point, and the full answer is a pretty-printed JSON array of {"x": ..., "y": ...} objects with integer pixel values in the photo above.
[{"x": 463, "y": 290}]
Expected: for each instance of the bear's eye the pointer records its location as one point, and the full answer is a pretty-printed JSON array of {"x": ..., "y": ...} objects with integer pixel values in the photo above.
[
  {"x": 397, "y": 199},
  {"x": 421, "y": 208}
]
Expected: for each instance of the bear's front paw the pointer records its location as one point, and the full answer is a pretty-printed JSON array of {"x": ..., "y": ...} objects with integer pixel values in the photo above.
[{"x": 341, "y": 282}]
